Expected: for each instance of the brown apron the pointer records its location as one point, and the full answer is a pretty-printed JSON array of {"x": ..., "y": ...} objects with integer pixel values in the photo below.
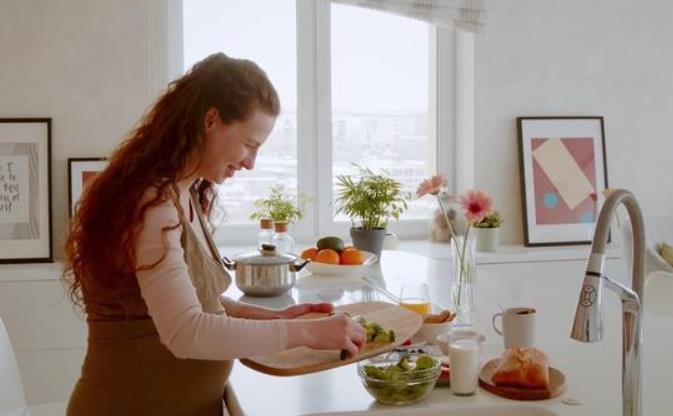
[{"x": 128, "y": 371}]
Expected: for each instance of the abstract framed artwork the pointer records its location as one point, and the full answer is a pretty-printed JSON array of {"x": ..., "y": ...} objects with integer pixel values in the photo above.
[
  {"x": 81, "y": 171},
  {"x": 563, "y": 175},
  {"x": 25, "y": 190}
]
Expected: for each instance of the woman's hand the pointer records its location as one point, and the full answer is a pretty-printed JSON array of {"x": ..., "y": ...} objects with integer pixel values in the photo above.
[
  {"x": 338, "y": 332},
  {"x": 304, "y": 308}
]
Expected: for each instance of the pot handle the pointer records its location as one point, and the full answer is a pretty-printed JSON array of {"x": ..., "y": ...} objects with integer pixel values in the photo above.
[
  {"x": 229, "y": 264},
  {"x": 294, "y": 267}
]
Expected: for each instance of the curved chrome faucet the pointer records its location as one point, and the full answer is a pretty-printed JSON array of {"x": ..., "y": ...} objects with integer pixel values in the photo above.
[{"x": 588, "y": 324}]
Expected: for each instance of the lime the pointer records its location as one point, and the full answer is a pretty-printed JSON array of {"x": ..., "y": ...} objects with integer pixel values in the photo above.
[
  {"x": 334, "y": 243},
  {"x": 425, "y": 362}
]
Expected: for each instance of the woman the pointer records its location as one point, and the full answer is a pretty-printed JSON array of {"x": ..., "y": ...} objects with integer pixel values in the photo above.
[{"x": 141, "y": 259}]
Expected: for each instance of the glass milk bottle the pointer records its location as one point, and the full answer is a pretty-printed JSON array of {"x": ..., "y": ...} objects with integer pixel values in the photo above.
[
  {"x": 266, "y": 232},
  {"x": 281, "y": 239}
]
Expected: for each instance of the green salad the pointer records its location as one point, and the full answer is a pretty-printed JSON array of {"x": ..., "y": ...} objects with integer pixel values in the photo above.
[{"x": 403, "y": 382}]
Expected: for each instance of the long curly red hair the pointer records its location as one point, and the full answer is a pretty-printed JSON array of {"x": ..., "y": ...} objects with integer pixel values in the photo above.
[{"x": 99, "y": 250}]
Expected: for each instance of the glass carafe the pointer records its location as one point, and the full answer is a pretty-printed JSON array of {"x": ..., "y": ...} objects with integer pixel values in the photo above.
[{"x": 281, "y": 239}]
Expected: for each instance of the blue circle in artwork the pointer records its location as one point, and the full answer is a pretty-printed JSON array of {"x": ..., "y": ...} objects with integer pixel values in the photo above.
[
  {"x": 550, "y": 200},
  {"x": 587, "y": 217}
]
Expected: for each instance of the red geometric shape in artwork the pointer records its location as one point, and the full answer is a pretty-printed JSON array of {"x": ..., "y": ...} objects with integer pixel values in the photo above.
[{"x": 582, "y": 151}]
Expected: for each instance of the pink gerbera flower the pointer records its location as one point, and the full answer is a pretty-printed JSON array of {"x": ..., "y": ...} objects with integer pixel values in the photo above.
[
  {"x": 430, "y": 186},
  {"x": 477, "y": 205}
]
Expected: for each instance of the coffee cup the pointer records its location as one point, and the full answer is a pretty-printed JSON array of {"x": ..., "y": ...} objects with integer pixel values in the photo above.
[{"x": 518, "y": 326}]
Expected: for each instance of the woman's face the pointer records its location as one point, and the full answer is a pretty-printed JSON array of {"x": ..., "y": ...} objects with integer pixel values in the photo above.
[{"x": 232, "y": 147}]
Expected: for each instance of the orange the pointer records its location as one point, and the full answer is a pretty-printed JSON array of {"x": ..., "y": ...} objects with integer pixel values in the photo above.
[
  {"x": 352, "y": 256},
  {"x": 328, "y": 256},
  {"x": 309, "y": 253}
]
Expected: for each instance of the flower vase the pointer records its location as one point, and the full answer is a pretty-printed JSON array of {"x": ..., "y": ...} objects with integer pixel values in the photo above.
[{"x": 463, "y": 279}]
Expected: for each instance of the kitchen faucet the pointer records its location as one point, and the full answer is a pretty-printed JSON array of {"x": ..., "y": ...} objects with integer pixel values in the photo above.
[{"x": 588, "y": 324}]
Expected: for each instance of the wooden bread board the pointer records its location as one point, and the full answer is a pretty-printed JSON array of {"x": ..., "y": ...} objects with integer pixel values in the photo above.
[
  {"x": 557, "y": 384},
  {"x": 304, "y": 360}
]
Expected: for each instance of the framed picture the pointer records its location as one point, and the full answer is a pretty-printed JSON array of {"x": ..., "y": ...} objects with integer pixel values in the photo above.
[
  {"x": 563, "y": 175},
  {"x": 82, "y": 171},
  {"x": 25, "y": 190}
]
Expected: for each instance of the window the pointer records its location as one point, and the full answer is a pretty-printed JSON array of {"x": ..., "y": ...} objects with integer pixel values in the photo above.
[
  {"x": 380, "y": 97},
  {"x": 238, "y": 29},
  {"x": 357, "y": 86}
]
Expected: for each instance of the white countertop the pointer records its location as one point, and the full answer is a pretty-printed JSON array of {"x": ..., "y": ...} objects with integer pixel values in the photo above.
[
  {"x": 506, "y": 253},
  {"x": 593, "y": 371}
]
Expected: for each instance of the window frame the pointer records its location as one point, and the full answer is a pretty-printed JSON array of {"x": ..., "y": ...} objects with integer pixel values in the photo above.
[{"x": 450, "y": 118}]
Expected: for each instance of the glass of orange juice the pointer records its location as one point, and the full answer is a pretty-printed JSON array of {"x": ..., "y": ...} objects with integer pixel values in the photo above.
[{"x": 415, "y": 297}]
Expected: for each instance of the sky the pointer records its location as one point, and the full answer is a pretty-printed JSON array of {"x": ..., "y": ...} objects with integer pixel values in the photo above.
[{"x": 379, "y": 61}]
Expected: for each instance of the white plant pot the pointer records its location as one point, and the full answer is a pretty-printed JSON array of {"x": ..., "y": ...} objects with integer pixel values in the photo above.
[
  {"x": 390, "y": 241},
  {"x": 488, "y": 239}
]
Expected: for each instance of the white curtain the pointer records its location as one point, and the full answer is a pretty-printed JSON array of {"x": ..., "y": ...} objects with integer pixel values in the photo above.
[{"x": 467, "y": 15}]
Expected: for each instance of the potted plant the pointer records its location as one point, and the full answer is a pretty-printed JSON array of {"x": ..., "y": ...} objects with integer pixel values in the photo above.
[
  {"x": 370, "y": 200},
  {"x": 283, "y": 209},
  {"x": 487, "y": 232}
]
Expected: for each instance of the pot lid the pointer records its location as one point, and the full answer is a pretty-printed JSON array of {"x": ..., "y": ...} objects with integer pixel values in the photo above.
[{"x": 266, "y": 255}]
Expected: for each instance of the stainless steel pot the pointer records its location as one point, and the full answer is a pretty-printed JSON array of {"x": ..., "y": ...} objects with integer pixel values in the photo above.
[{"x": 265, "y": 272}]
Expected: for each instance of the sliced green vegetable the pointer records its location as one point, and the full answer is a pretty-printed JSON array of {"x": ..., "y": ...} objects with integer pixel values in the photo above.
[{"x": 402, "y": 382}]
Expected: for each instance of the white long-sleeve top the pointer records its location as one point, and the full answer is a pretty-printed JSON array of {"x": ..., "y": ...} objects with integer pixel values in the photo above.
[{"x": 173, "y": 305}]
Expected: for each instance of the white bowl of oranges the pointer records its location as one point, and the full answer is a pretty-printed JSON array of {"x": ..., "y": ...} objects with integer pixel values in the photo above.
[{"x": 331, "y": 257}]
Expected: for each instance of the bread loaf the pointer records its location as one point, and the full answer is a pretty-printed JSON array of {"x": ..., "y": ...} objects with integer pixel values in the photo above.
[{"x": 523, "y": 367}]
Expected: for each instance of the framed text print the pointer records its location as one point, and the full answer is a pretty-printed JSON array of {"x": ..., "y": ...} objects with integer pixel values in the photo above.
[
  {"x": 25, "y": 190},
  {"x": 563, "y": 175}
]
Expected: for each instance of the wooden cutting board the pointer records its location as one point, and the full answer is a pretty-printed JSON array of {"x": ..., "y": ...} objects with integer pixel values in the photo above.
[
  {"x": 304, "y": 360},
  {"x": 557, "y": 384}
]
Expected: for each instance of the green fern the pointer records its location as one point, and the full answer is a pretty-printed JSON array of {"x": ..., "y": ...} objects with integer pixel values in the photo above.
[
  {"x": 372, "y": 199},
  {"x": 280, "y": 206},
  {"x": 492, "y": 220}
]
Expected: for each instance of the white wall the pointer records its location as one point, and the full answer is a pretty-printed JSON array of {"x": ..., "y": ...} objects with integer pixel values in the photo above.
[
  {"x": 576, "y": 57},
  {"x": 85, "y": 64}
]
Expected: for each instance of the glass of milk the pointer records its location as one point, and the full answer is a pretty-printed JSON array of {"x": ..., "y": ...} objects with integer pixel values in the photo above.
[{"x": 464, "y": 364}]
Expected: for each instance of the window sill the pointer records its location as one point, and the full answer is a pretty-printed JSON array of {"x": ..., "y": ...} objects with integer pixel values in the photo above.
[
  {"x": 507, "y": 253},
  {"x": 30, "y": 272}
]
